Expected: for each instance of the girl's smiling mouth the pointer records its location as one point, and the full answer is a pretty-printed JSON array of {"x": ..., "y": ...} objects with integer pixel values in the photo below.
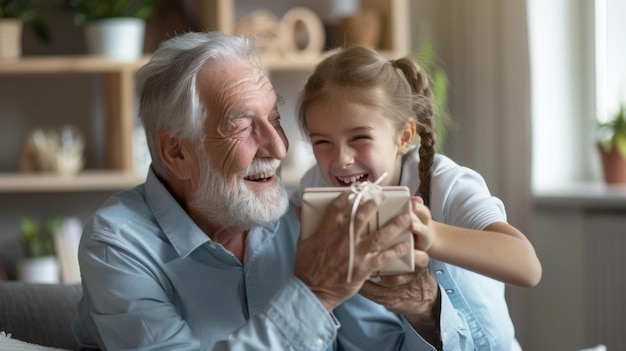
[{"x": 352, "y": 179}]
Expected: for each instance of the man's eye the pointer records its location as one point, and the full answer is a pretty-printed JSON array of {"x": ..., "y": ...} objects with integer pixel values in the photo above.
[
  {"x": 361, "y": 137},
  {"x": 238, "y": 127},
  {"x": 275, "y": 121}
]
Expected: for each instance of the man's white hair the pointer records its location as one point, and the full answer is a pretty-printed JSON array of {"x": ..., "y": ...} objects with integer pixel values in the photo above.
[{"x": 166, "y": 85}]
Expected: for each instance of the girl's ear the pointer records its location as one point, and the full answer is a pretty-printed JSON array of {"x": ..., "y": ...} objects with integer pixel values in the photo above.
[
  {"x": 174, "y": 155},
  {"x": 407, "y": 135}
]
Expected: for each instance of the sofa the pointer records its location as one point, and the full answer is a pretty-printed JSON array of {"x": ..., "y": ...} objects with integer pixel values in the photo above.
[{"x": 39, "y": 314}]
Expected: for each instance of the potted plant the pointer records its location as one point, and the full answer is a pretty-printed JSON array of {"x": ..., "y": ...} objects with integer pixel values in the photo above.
[
  {"x": 39, "y": 264},
  {"x": 612, "y": 147},
  {"x": 13, "y": 15},
  {"x": 113, "y": 28}
]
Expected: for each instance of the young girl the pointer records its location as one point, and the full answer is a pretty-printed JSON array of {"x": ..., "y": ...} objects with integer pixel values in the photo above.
[{"x": 362, "y": 113}]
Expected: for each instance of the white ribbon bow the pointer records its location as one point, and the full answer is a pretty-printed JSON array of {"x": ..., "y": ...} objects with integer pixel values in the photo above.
[{"x": 361, "y": 191}]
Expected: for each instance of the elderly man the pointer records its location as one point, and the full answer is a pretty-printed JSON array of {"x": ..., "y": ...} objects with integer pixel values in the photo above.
[{"x": 205, "y": 254}]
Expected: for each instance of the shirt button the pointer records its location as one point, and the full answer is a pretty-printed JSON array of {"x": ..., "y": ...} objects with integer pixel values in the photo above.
[
  {"x": 439, "y": 272},
  {"x": 212, "y": 246},
  {"x": 319, "y": 343},
  {"x": 449, "y": 291}
]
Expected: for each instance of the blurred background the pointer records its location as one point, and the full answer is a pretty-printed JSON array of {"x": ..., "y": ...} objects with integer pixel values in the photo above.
[{"x": 527, "y": 84}]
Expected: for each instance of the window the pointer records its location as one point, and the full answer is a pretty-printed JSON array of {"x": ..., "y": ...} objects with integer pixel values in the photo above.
[{"x": 578, "y": 76}]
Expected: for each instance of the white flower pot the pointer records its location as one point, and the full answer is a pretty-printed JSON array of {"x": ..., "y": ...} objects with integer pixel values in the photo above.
[
  {"x": 116, "y": 38},
  {"x": 39, "y": 270}
]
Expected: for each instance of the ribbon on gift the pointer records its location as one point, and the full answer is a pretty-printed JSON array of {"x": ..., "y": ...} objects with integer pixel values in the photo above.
[{"x": 362, "y": 191}]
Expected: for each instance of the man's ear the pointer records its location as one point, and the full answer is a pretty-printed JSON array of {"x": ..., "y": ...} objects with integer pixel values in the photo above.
[
  {"x": 174, "y": 155},
  {"x": 407, "y": 135}
]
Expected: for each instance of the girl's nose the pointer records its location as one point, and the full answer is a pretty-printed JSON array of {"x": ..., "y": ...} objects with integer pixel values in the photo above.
[{"x": 344, "y": 156}]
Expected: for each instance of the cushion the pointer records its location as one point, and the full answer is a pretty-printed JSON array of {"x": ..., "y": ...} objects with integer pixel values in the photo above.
[
  {"x": 39, "y": 313},
  {"x": 9, "y": 344}
]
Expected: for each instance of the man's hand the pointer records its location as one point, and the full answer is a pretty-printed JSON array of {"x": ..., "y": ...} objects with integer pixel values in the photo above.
[
  {"x": 322, "y": 259},
  {"x": 414, "y": 295}
]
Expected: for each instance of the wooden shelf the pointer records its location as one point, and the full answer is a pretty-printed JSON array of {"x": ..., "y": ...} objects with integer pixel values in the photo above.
[
  {"x": 118, "y": 81},
  {"x": 67, "y": 64},
  {"x": 84, "y": 181}
]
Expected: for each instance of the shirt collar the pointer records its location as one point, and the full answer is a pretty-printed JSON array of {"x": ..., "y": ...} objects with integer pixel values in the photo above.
[
  {"x": 410, "y": 170},
  {"x": 178, "y": 227}
]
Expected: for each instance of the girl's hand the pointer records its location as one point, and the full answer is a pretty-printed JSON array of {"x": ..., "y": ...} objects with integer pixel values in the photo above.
[{"x": 421, "y": 224}]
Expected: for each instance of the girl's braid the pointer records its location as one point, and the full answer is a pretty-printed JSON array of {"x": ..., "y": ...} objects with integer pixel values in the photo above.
[{"x": 423, "y": 110}]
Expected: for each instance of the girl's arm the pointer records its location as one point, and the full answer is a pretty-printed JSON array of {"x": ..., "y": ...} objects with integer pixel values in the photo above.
[{"x": 500, "y": 251}]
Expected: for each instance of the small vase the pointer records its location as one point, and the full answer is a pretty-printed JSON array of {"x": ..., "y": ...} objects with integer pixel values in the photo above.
[
  {"x": 614, "y": 166},
  {"x": 39, "y": 270},
  {"x": 363, "y": 28}
]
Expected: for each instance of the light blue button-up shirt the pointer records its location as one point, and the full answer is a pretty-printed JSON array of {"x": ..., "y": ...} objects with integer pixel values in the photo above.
[{"x": 152, "y": 280}]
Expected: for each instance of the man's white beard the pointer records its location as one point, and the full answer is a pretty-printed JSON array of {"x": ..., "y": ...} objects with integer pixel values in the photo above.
[{"x": 235, "y": 205}]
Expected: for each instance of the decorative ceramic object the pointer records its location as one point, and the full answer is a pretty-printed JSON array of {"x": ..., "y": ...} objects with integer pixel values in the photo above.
[
  {"x": 363, "y": 28},
  {"x": 300, "y": 32},
  {"x": 58, "y": 151},
  {"x": 263, "y": 26}
]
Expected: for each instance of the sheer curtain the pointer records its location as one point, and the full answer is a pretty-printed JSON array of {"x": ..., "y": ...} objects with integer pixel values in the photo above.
[{"x": 483, "y": 45}]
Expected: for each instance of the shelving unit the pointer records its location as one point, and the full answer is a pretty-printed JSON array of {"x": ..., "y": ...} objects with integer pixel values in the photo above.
[
  {"x": 119, "y": 85},
  {"x": 119, "y": 95},
  {"x": 220, "y": 15}
]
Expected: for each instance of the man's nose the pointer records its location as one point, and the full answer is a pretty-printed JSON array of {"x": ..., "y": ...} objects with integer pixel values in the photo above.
[{"x": 272, "y": 142}]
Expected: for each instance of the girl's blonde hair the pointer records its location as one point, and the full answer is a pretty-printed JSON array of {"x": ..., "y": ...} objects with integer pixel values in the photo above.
[{"x": 399, "y": 89}]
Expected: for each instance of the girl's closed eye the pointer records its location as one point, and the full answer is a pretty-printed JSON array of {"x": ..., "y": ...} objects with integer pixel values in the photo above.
[
  {"x": 319, "y": 142},
  {"x": 361, "y": 137}
]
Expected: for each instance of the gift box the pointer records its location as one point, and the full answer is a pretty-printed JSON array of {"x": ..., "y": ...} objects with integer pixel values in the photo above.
[{"x": 316, "y": 200}]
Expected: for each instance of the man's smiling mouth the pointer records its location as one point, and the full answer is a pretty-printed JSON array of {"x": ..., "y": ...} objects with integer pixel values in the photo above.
[{"x": 261, "y": 177}]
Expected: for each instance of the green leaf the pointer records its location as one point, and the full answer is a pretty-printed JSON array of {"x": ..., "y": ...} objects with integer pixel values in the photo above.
[
  {"x": 38, "y": 241},
  {"x": 620, "y": 144},
  {"x": 612, "y": 134},
  {"x": 92, "y": 10}
]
